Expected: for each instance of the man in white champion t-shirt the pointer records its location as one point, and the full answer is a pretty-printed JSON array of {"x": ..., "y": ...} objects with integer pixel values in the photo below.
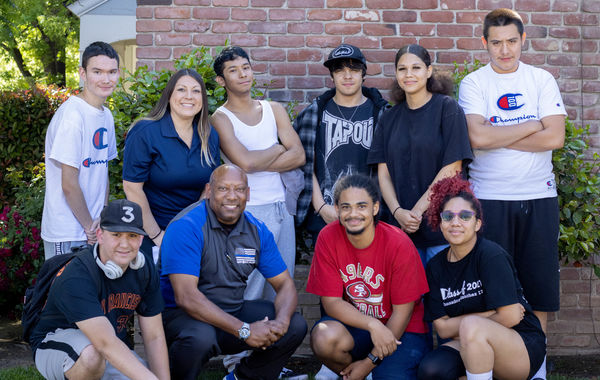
[
  {"x": 79, "y": 143},
  {"x": 258, "y": 137},
  {"x": 516, "y": 117}
]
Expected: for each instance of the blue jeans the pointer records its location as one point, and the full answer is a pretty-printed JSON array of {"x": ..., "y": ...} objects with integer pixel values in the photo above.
[{"x": 428, "y": 252}]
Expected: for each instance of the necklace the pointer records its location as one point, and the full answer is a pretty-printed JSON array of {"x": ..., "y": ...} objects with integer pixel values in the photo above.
[{"x": 353, "y": 113}]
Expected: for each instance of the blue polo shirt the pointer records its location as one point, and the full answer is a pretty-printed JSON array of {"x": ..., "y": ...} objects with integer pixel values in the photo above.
[
  {"x": 197, "y": 244},
  {"x": 173, "y": 174}
]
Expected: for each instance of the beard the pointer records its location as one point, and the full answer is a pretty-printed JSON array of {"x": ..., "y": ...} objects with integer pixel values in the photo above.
[{"x": 356, "y": 232}]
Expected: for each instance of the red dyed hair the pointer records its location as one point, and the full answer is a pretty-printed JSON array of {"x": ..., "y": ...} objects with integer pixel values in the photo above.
[{"x": 446, "y": 189}]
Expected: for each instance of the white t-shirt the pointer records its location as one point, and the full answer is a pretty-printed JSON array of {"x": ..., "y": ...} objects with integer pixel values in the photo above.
[
  {"x": 81, "y": 136},
  {"x": 529, "y": 93},
  {"x": 265, "y": 187}
]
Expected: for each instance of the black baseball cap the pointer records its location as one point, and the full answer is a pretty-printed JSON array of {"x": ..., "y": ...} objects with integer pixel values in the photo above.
[
  {"x": 345, "y": 51},
  {"x": 122, "y": 216}
]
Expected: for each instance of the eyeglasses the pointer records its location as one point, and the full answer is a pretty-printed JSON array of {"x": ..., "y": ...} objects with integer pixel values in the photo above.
[{"x": 463, "y": 215}]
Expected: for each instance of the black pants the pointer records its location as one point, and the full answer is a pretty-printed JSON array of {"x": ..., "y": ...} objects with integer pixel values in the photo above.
[{"x": 192, "y": 343}]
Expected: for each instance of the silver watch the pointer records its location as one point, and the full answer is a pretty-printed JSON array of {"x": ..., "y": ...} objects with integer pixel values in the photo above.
[{"x": 244, "y": 331}]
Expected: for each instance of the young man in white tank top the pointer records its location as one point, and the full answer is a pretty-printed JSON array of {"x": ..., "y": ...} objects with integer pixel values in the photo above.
[{"x": 258, "y": 137}]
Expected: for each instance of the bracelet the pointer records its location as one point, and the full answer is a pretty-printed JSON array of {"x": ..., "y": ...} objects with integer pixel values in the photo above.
[
  {"x": 319, "y": 210},
  {"x": 155, "y": 236},
  {"x": 394, "y": 213}
]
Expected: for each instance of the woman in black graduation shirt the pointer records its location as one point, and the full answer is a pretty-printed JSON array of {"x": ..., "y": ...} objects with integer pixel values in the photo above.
[
  {"x": 475, "y": 298},
  {"x": 422, "y": 139}
]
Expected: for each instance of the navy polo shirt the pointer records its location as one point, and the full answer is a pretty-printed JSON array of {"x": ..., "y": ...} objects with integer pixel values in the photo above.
[{"x": 173, "y": 174}]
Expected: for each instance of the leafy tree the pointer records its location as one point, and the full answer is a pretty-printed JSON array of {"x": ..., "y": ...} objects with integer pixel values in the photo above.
[{"x": 35, "y": 36}]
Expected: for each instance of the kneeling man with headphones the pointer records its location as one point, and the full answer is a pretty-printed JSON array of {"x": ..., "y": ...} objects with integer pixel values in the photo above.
[{"x": 82, "y": 332}]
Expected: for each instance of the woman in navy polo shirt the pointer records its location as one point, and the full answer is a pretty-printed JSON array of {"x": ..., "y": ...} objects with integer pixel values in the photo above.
[{"x": 170, "y": 154}]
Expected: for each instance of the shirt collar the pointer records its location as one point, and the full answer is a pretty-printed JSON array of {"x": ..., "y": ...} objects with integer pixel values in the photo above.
[{"x": 216, "y": 225}]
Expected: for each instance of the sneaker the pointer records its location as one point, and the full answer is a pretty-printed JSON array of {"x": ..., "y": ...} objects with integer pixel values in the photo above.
[
  {"x": 326, "y": 374},
  {"x": 288, "y": 374},
  {"x": 230, "y": 376}
]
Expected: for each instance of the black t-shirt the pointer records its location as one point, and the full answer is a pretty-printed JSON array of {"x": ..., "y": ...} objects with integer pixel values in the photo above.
[
  {"x": 74, "y": 297},
  {"x": 415, "y": 145},
  {"x": 483, "y": 280}
]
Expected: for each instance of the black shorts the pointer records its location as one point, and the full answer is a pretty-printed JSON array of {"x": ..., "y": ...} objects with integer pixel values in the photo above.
[
  {"x": 529, "y": 231},
  {"x": 535, "y": 343}
]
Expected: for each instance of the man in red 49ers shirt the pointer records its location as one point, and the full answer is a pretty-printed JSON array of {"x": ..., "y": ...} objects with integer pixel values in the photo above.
[{"x": 370, "y": 280}]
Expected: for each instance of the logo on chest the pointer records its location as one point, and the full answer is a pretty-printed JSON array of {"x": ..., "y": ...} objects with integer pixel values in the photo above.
[
  {"x": 509, "y": 102},
  {"x": 99, "y": 140}
]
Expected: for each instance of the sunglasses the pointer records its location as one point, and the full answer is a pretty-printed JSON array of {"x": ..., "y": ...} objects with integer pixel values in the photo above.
[{"x": 464, "y": 215}]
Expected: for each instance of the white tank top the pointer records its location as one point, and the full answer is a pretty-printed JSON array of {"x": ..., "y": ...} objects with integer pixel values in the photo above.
[{"x": 265, "y": 187}]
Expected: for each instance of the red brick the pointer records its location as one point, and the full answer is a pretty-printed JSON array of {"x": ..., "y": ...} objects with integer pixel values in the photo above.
[
  {"x": 229, "y": 27},
  {"x": 179, "y": 51},
  {"x": 533, "y": 59},
  {"x": 270, "y": 83},
  {"x": 576, "y": 341},
  {"x": 374, "y": 69},
  {"x": 285, "y": 96},
  {"x": 306, "y": 55},
  {"x": 144, "y": 39},
  {"x": 420, "y": 4},
  {"x": 286, "y": 41},
  {"x": 454, "y": 30},
  {"x": 564, "y": 32},
  {"x": 383, "y": 4},
  {"x": 324, "y": 15},
  {"x": 578, "y": 100},
  {"x": 532, "y": 5},
  {"x": 457, "y": 4},
  {"x": 470, "y": 17},
  {"x": 585, "y": 328},
  {"x": 305, "y": 28},
  {"x": 565, "y": 5},
  {"x": 148, "y": 64},
  {"x": 536, "y": 32},
  {"x": 286, "y": 14},
  {"x": 592, "y": 6},
  {"x": 546, "y": 19},
  {"x": 230, "y": 3},
  {"x": 154, "y": 2},
  {"x": 363, "y": 42},
  {"x": 173, "y": 39},
  {"x": 153, "y": 26},
  {"x": 399, "y": 16},
  {"x": 544, "y": 45},
  {"x": 389, "y": 70},
  {"x": 493, "y": 4},
  {"x": 564, "y": 327},
  {"x": 305, "y": 82},
  {"x": 591, "y": 59},
  {"x": 266, "y": 27},
  {"x": 592, "y": 114},
  {"x": 380, "y": 83},
  {"x": 344, "y": 4},
  {"x": 210, "y": 39},
  {"x": 164, "y": 65},
  {"x": 482, "y": 57},
  {"x": 210, "y": 13},
  {"x": 172, "y": 12},
  {"x": 417, "y": 29},
  {"x": 396, "y": 42},
  {"x": 306, "y": 4},
  {"x": 581, "y": 19},
  {"x": 249, "y": 14},
  {"x": 193, "y": 2},
  {"x": 380, "y": 29},
  {"x": 591, "y": 32},
  {"x": 323, "y": 41},
  {"x": 345, "y": 28},
  {"x": 437, "y": 43},
  {"x": 317, "y": 69},
  {"x": 570, "y": 86},
  {"x": 193, "y": 26},
  {"x": 267, "y": 54},
  {"x": 144, "y": 12},
  {"x": 437, "y": 16},
  {"x": 363, "y": 15},
  {"x": 268, "y": 3},
  {"x": 259, "y": 67},
  {"x": 578, "y": 46},
  {"x": 575, "y": 314},
  {"x": 450, "y": 57},
  {"x": 469, "y": 44},
  {"x": 563, "y": 60},
  {"x": 567, "y": 300},
  {"x": 248, "y": 40},
  {"x": 288, "y": 68},
  {"x": 385, "y": 56},
  {"x": 580, "y": 287},
  {"x": 153, "y": 52}
]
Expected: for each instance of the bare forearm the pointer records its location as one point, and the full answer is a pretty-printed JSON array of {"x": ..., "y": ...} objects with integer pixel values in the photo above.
[
  {"x": 447, "y": 171},
  {"x": 485, "y": 136},
  {"x": 119, "y": 355},
  {"x": 290, "y": 159},
  {"x": 201, "y": 308},
  {"x": 158, "y": 359},
  {"x": 76, "y": 201},
  {"x": 259, "y": 160},
  {"x": 286, "y": 301},
  {"x": 346, "y": 313},
  {"x": 135, "y": 193},
  {"x": 387, "y": 187},
  {"x": 448, "y": 327}
]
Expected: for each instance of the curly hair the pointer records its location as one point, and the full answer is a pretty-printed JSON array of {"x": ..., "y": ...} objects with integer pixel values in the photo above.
[{"x": 446, "y": 189}]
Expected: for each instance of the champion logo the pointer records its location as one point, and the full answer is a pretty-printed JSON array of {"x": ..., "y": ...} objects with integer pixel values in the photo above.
[
  {"x": 89, "y": 162},
  {"x": 99, "y": 137},
  {"x": 509, "y": 102},
  {"x": 358, "y": 290},
  {"x": 494, "y": 119}
]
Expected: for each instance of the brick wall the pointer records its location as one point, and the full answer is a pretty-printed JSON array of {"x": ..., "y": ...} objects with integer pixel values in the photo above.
[{"x": 289, "y": 39}]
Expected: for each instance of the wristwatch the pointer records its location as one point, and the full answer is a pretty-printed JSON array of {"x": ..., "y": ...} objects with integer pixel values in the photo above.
[
  {"x": 374, "y": 359},
  {"x": 244, "y": 331}
]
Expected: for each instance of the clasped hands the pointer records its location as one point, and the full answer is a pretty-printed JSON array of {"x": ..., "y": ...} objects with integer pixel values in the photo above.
[{"x": 265, "y": 332}]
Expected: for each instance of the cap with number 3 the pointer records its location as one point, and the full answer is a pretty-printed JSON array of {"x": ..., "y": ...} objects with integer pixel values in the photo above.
[{"x": 122, "y": 216}]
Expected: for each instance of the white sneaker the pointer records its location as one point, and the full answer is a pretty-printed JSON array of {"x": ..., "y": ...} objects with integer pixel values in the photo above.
[
  {"x": 288, "y": 374},
  {"x": 326, "y": 374}
]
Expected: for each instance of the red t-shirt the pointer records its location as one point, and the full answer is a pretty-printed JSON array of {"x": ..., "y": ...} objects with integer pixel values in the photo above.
[{"x": 388, "y": 272}]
